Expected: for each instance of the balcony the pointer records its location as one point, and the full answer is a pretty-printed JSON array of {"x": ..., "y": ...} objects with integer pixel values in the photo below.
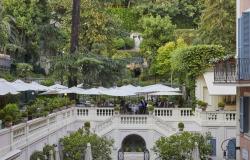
[{"x": 232, "y": 71}]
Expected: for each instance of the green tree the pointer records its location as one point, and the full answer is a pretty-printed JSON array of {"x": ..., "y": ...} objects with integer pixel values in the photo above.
[
  {"x": 75, "y": 145},
  {"x": 11, "y": 110},
  {"x": 180, "y": 146},
  {"x": 23, "y": 69},
  {"x": 156, "y": 32},
  {"x": 36, "y": 32},
  {"x": 184, "y": 13},
  {"x": 218, "y": 23},
  {"x": 162, "y": 63},
  {"x": 190, "y": 62}
]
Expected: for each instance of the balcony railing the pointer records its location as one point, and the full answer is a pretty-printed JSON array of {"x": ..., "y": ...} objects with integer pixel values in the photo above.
[{"x": 232, "y": 71}]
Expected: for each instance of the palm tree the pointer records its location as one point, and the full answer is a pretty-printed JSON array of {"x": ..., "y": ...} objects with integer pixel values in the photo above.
[
  {"x": 8, "y": 35},
  {"x": 5, "y": 30}
]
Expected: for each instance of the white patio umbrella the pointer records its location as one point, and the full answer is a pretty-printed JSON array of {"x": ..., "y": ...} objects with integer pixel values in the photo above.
[
  {"x": 165, "y": 94},
  {"x": 94, "y": 91},
  {"x": 157, "y": 88},
  {"x": 57, "y": 87},
  {"x": 21, "y": 86},
  {"x": 196, "y": 153},
  {"x": 38, "y": 87},
  {"x": 116, "y": 92},
  {"x": 74, "y": 90},
  {"x": 88, "y": 153},
  {"x": 130, "y": 88},
  {"x": 7, "y": 88}
]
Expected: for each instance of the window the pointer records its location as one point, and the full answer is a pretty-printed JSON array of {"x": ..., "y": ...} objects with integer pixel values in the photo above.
[
  {"x": 244, "y": 114},
  {"x": 213, "y": 144}
]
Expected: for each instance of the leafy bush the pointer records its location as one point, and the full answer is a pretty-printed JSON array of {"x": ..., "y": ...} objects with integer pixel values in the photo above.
[
  {"x": 23, "y": 69},
  {"x": 43, "y": 106},
  {"x": 11, "y": 110},
  {"x": 180, "y": 146},
  {"x": 221, "y": 104},
  {"x": 119, "y": 43},
  {"x": 46, "y": 150},
  {"x": 117, "y": 108},
  {"x": 48, "y": 82},
  {"x": 8, "y": 118},
  {"x": 151, "y": 108},
  {"x": 37, "y": 154},
  {"x": 190, "y": 62},
  {"x": 181, "y": 126},
  {"x": 121, "y": 55},
  {"x": 129, "y": 18},
  {"x": 101, "y": 147},
  {"x": 129, "y": 43}
]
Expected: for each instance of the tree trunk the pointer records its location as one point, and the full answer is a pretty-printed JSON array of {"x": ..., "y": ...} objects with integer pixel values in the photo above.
[{"x": 74, "y": 43}]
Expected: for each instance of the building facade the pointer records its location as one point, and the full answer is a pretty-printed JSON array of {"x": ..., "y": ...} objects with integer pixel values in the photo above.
[{"x": 236, "y": 72}]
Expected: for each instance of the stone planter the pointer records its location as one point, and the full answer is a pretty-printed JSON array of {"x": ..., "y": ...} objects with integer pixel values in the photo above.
[
  {"x": 8, "y": 124},
  {"x": 117, "y": 112},
  {"x": 221, "y": 108},
  {"x": 181, "y": 129}
]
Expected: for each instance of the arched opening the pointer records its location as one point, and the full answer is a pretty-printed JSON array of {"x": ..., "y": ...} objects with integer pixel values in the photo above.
[{"x": 133, "y": 143}]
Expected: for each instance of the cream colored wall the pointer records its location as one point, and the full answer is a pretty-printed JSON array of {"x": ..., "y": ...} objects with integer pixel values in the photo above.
[{"x": 199, "y": 93}]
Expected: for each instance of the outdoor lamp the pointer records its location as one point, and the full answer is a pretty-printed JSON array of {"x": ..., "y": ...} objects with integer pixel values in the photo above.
[{"x": 65, "y": 94}]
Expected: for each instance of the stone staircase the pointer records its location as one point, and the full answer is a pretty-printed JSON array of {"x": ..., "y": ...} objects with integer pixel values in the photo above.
[{"x": 145, "y": 122}]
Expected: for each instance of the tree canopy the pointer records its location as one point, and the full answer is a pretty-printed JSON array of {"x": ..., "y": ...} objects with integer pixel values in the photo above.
[
  {"x": 180, "y": 146},
  {"x": 74, "y": 146}
]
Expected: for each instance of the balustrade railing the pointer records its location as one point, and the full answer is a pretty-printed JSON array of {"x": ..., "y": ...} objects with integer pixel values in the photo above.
[
  {"x": 232, "y": 71},
  {"x": 135, "y": 119},
  {"x": 104, "y": 118}
]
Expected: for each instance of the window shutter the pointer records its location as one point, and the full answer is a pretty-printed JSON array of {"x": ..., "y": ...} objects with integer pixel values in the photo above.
[
  {"x": 244, "y": 114},
  {"x": 245, "y": 41},
  {"x": 244, "y": 46},
  {"x": 231, "y": 149}
]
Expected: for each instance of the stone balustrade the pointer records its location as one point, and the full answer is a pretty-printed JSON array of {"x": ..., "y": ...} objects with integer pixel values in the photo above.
[{"x": 24, "y": 134}]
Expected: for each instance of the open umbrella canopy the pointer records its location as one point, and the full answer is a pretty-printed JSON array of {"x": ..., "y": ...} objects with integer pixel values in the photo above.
[
  {"x": 74, "y": 90},
  {"x": 157, "y": 88},
  {"x": 165, "y": 94},
  {"x": 117, "y": 93},
  {"x": 130, "y": 88},
  {"x": 21, "y": 86},
  {"x": 57, "y": 87},
  {"x": 38, "y": 87},
  {"x": 7, "y": 88},
  {"x": 93, "y": 91}
]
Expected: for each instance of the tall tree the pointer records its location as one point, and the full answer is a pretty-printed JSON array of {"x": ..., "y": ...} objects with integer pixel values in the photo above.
[
  {"x": 218, "y": 23},
  {"x": 74, "y": 43}
]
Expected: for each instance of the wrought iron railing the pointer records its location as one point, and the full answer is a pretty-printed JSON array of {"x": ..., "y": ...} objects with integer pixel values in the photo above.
[{"x": 232, "y": 71}]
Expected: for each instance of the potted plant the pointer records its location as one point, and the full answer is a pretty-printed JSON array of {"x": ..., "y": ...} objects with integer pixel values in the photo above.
[
  {"x": 202, "y": 105},
  {"x": 181, "y": 126},
  {"x": 8, "y": 121},
  {"x": 117, "y": 110},
  {"x": 221, "y": 106},
  {"x": 87, "y": 127},
  {"x": 151, "y": 108},
  {"x": 45, "y": 113},
  {"x": 25, "y": 116}
]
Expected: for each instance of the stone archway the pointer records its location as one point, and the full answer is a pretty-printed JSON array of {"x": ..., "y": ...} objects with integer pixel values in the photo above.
[{"x": 133, "y": 143}]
